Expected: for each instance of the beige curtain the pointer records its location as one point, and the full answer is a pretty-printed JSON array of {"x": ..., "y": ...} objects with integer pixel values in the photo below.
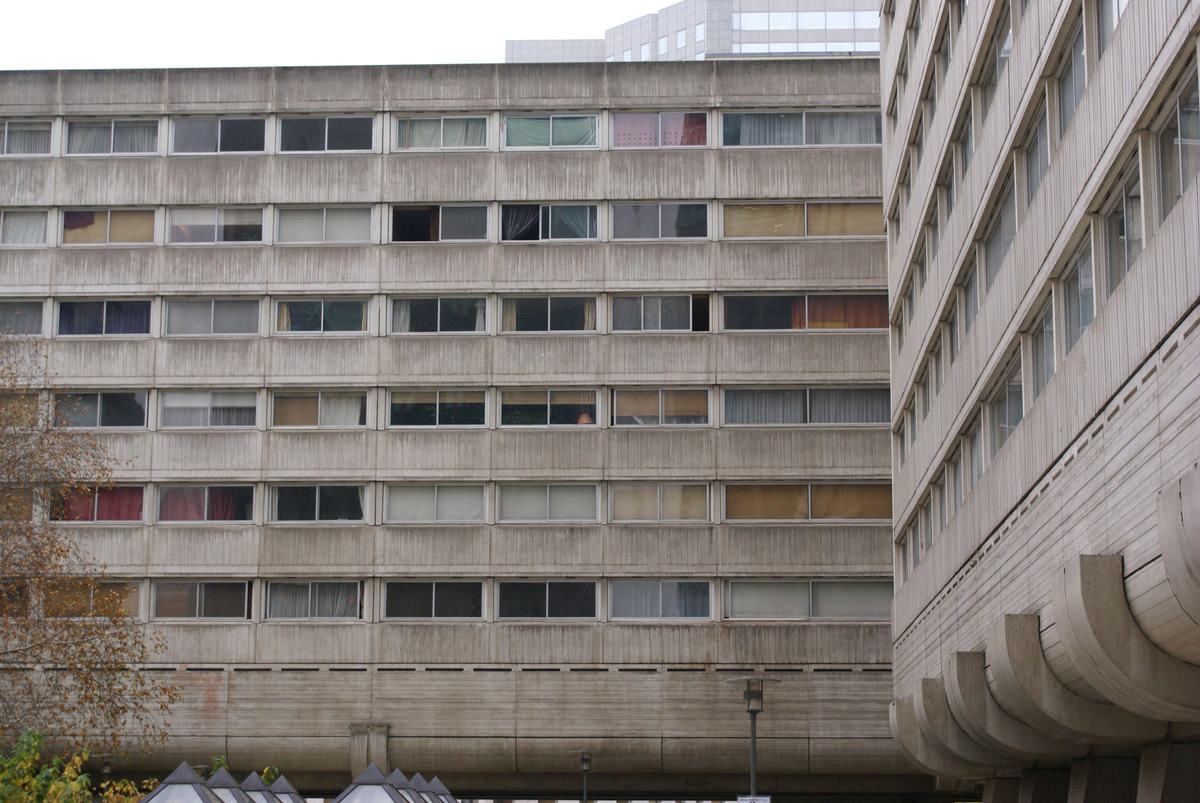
[
  {"x": 764, "y": 220},
  {"x": 296, "y": 411},
  {"x": 852, "y": 501},
  {"x": 845, "y": 220},
  {"x": 766, "y": 502}
]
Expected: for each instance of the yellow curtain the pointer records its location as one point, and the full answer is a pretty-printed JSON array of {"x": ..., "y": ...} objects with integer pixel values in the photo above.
[
  {"x": 845, "y": 220},
  {"x": 852, "y": 501},
  {"x": 766, "y": 501},
  {"x": 764, "y": 220}
]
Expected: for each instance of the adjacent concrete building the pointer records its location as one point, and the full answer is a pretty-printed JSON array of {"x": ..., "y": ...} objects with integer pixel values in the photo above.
[
  {"x": 700, "y": 29},
  {"x": 1039, "y": 165},
  {"x": 468, "y": 416}
]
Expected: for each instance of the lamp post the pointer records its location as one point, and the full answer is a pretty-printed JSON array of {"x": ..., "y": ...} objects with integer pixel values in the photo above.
[
  {"x": 752, "y": 693},
  {"x": 585, "y": 765}
]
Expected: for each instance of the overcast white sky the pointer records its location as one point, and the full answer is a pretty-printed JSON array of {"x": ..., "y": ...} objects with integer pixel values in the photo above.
[{"x": 80, "y": 34}]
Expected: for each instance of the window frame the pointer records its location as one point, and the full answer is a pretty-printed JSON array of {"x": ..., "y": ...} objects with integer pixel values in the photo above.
[
  {"x": 708, "y": 615},
  {"x": 696, "y": 301},
  {"x": 247, "y": 598},
  {"x": 371, "y": 237},
  {"x": 46, "y": 216},
  {"x": 282, "y": 121},
  {"x": 220, "y": 120},
  {"x": 661, "y": 517},
  {"x": 108, "y": 241},
  {"x": 545, "y": 222},
  {"x": 364, "y": 503},
  {"x": 660, "y": 205},
  {"x": 112, "y": 125},
  {"x": 438, "y": 330},
  {"x": 218, "y": 225},
  {"x": 140, "y": 396},
  {"x": 14, "y": 304},
  {"x": 390, "y": 518},
  {"x": 320, "y": 393},
  {"x": 213, "y": 302},
  {"x": 322, "y": 331},
  {"x": 662, "y": 416},
  {"x": 164, "y": 394},
  {"x": 207, "y": 505},
  {"x": 659, "y": 129},
  {"x": 439, "y": 208},
  {"x": 398, "y": 148},
  {"x": 549, "y": 422},
  {"x": 547, "y": 615},
  {"x": 550, "y": 299},
  {"x": 549, "y": 486},
  {"x": 312, "y": 600},
  {"x": 5, "y": 137},
  {"x": 483, "y": 424},
  {"x": 433, "y": 583},
  {"x": 550, "y": 117}
]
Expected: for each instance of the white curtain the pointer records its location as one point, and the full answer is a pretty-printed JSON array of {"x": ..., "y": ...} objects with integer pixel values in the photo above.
[
  {"x": 573, "y": 131},
  {"x": 28, "y": 138},
  {"x": 24, "y": 228},
  {"x": 573, "y": 502},
  {"x": 347, "y": 225},
  {"x": 235, "y": 317},
  {"x": 193, "y": 225},
  {"x": 635, "y": 221},
  {"x": 843, "y": 128},
  {"x": 527, "y": 132},
  {"x": 135, "y": 137},
  {"x": 849, "y": 406},
  {"x": 464, "y": 222},
  {"x": 21, "y": 317},
  {"x": 301, "y": 226},
  {"x": 765, "y": 406},
  {"x": 189, "y": 317},
  {"x": 519, "y": 222},
  {"x": 287, "y": 600},
  {"x": 764, "y": 129},
  {"x": 522, "y": 502},
  {"x": 627, "y": 313},
  {"x": 464, "y": 132},
  {"x": 89, "y": 137},
  {"x": 761, "y": 600},
  {"x": 634, "y": 599},
  {"x": 343, "y": 409},
  {"x": 572, "y": 222},
  {"x": 184, "y": 408},
  {"x": 401, "y": 315},
  {"x": 852, "y": 600},
  {"x": 460, "y": 503},
  {"x": 411, "y": 503},
  {"x": 335, "y": 600},
  {"x": 233, "y": 408},
  {"x": 684, "y": 599}
]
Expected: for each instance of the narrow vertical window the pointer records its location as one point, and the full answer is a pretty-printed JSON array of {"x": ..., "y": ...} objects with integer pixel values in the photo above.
[{"x": 1079, "y": 296}]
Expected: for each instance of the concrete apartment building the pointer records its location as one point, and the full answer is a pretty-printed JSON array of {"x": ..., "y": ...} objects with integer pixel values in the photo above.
[
  {"x": 698, "y": 29},
  {"x": 469, "y": 416},
  {"x": 1039, "y": 163}
]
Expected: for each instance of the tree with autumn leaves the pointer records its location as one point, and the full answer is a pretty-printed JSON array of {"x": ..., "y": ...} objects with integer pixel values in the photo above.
[{"x": 70, "y": 650}]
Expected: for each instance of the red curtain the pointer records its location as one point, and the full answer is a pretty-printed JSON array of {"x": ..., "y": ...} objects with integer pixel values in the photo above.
[
  {"x": 221, "y": 505},
  {"x": 181, "y": 504},
  {"x": 119, "y": 504},
  {"x": 75, "y": 505}
]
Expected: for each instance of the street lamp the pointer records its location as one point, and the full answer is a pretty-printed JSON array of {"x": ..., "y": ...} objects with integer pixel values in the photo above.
[
  {"x": 752, "y": 693},
  {"x": 585, "y": 765}
]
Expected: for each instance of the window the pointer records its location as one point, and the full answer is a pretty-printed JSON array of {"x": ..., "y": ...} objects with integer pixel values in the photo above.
[
  {"x": 973, "y": 454},
  {"x": 108, "y": 409},
  {"x": 1109, "y": 14},
  {"x": 1123, "y": 224},
  {"x": 212, "y": 316},
  {"x": 970, "y": 297},
  {"x": 547, "y": 502},
  {"x": 1179, "y": 144},
  {"x": 100, "y": 226},
  {"x": 765, "y": 407},
  {"x": 87, "y": 597},
  {"x": 965, "y": 139},
  {"x": 227, "y": 135},
  {"x": 433, "y": 599},
  {"x": 119, "y": 504},
  {"x": 819, "y": 599},
  {"x": 441, "y": 132},
  {"x": 1041, "y": 341},
  {"x": 852, "y": 599},
  {"x": 334, "y": 224},
  {"x": 549, "y": 314},
  {"x": 789, "y": 220},
  {"x": 1002, "y": 232},
  {"x": 801, "y": 502},
  {"x": 952, "y": 333},
  {"x": 757, "y": 599},
  {"x": 659, "y": 599},
  {"x": 993, "y": 76},
  {"x": 437, "y": 408},
  {"x": 206, "y": 503},
  {"x": 749, "y": 502},
  {"x": 125, "y": 317},
  {"x": 21, "y": 227},
  {"x": 849, "y": 405},
  {"x": 843, "y": 128},
  {"x": 324, "y": 408},
  {"x": 550, "y": 131},
  {"x": 659, "y": 221},
  {"x": 680, "y": 39},
  {"x": 429, "y": 503},
  {"x": 325, "y": 134},
  {"x": 319, "y": 503},
  {"x": 431, "y": 224},
  {"x": 699, "y": 32},
  {"x": 1037, "y": 153},
  {"x": 1078, "y": 296},
  {"x": 521, "y": 222},
  {"x": 806, "y": 312},
  {"x": 851, "y": 501},
  {"x": 322, "y": 315},
  {"x": 207, "y": 408},
  {"x": 954, "y": 483},
  {"x": 112, "y": 136},
  {"x": 1005, "y": 406},
  {"x": 847, "y": 312},
  {"x": 659, "y": 129},
  {"x": 677, "y": 313},
  {"x": 655, "y": 407},
  {"x": 16, "y": 504},
  {"x": 20, "y": 318},
  {"x": 314, "y": 600},
  {"x": 213, "y": 599},
  {"x": 1073, "y": 79},
  {"x": 547, "y": 600},
  {"x": 765, "y": 312},
  {"x": 24, "y": 138},
  {"x": 666, "y": 501},
  {"x": 772, "y": 129},
  {"x": 539, "y": 408},
  {"x": 215, "y": 225},
  {"x": 439, "y": 314}
]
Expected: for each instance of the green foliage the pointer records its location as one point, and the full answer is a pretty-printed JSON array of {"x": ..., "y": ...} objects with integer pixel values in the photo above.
[
  {"x": 217, "y": 763},
  {"x": 23, "y": 776},
  {"x": 269, "y": 774}
]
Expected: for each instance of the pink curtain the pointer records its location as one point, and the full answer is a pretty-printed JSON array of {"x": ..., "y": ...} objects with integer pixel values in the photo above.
[
  {"x": 75, "y": 505},
  {"x": 181, "y": 504},
  {"x": 119, "y": 504}
]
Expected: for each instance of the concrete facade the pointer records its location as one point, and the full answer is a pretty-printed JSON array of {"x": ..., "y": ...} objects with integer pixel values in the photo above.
[
  {"x": 1039, "y": 172},
  {"x": 698, "y": 29},
  {"x": 606, "y": 512}
]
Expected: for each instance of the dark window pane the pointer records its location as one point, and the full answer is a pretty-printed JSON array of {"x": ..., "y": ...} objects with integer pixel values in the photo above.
[
  {"x": 234, "y": 503},
  {"x": 81, "y": 318},
  {"x": 462, "y": 314},
  {"x": 764, "y": 312},
  {"x": 462, "y": 600},
  {"x": 76, "y": 409},
  {"x": 414, "y": 409},
  {"x": 195, "y": 136},
  {"x": 464, "y": 222},
  {"x": 570, "y": 314},
  {"x": 461, "y": 409},
  {"x": 340, "y": 503},
  {"x": 523, "y": 408},
  {"x": 127, "y": 318},
  {"x": 123, "y": 409},
  {"x": 20, "y": 318},
  {"x": 522, "y": 600},
  {"x": 345, "y": 316},
  {"x": 635, "y": 221},
  {"x": 300, "y": 316},
  {"x": 572, "y": 600},
  {"x": 302, "y": 134},
  {"x": 409, "y": 599},
  {"x": 414, "y": 224},
  {"x": 422, "y": 315},
  {"x": 684, "y": 220},
  {"x": 519, "y": 222},
  {"x": 243, "y": 135},
  {"x": 527, "y": 314},
  {"x": 175, "y": 600},
  {"x": 700, "y": 313},
  {"x": 223, "y": 600},
  {"x": 349, "y": 134},
  {"x": 627, "y": 313},
  {"x": 296, "y": 503}
]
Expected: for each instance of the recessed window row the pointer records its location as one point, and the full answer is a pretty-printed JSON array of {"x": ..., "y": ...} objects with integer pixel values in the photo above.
[
  {"x": 469, "y": 407},
  {"x": 462, "y": 503},
  {"x": 466, "y": 131},
  {"x": 384, "y": 599},
  {"x": 481, "y": 314},
  {"x": 426, "y": 223}
]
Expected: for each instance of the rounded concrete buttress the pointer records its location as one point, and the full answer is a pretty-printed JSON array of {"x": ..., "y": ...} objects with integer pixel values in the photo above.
[
  {"x": 1111, "y": 651},
  {"x": 1179, "y": 539},
  {"x": 1028, "y": 689},
  {"x": 977, "y": 712},
  {"x": 932, "y": 759},
  {"x": 938, "y": 726}
]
